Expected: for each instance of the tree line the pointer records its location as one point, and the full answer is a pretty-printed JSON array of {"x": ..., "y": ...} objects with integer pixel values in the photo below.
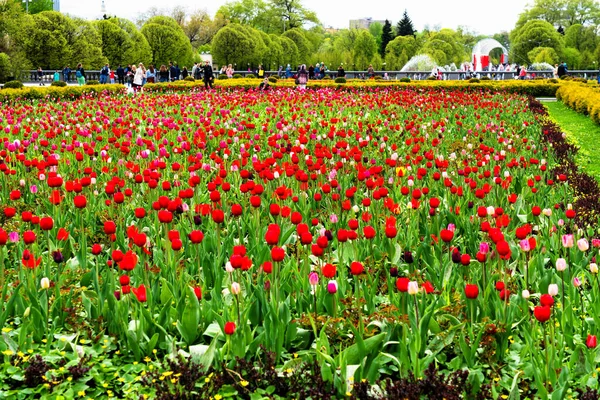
[{"x": 246, "y": 33}]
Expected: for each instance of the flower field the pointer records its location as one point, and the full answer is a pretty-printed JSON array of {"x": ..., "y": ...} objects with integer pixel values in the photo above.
[{"x": 384, "y": 243}]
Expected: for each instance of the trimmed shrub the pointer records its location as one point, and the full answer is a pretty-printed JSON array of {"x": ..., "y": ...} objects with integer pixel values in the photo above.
[
  {"x": 340, "y": 80},
  {"x": 13, "y": 85},
  {"x": 485, "y": 78},
  {"x": 189, "y": 79},
  {"x": 406, "y": 79},
  {"x": 273, "y": 79},
  {"x": 92, "y": 82},
  {"x": 474, "y": 80},
  {"x": 378, "y": 78},
  {"x": 222, "y": 76},
  {"x": 59, "y": 84},
  {"x": 250, "y": 76},
  {"x": 237, "y": 76},
  {"x": 432, "y": 78}
]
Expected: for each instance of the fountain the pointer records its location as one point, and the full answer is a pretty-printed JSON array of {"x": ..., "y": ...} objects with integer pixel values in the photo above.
[{"x": 420, "y": 62}]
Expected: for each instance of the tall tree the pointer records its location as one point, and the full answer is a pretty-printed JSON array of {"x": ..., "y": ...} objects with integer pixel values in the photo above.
[
  {"x": 37, "y": 6},
  {"x": 535, "y": 33},
  {"x": 387, "y": 35},
  {"x": 562, "y": 13},
  {"x": 230, "y": 45},
  {"x": 405, "y": 26},
  {"x": 365, "y": 47},
  {"x": 167, "y": 41}
]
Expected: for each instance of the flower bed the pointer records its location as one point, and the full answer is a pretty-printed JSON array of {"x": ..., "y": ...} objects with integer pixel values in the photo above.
[{"x": 403, "y": 241}]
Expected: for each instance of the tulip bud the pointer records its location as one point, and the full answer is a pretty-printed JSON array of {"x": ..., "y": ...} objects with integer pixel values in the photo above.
[
  {"x": 235, "y": 288},
  {"x": 553, "y": 289},
  {"x": 594, "y": 268},
  {"x": 228, "y": 267},
  {"x": 413, "y": 287},
  {"x": 332, "y": 287},
  {"x": 583, "y": 245},
  {"x": 45, "y": 283},
  {"x": 525, "y": 294},
  {"x": 567, "y": 241},
  {"x": 561, "y": 264},
  {"x": 313, "y": 279},
  {"x": 577, "y": 282},
  {"x": 26, "y": 313}
]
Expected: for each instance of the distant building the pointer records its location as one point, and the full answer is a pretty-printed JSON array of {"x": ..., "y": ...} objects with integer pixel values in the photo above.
[
  {"x": 56, "y": 5},
  {"x": 363, "y": 23}
]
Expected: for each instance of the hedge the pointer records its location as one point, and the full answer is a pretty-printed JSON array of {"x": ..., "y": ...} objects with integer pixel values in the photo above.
[
  {"x": 545, "y": 88},
  {"x": 581, "y": 97}
]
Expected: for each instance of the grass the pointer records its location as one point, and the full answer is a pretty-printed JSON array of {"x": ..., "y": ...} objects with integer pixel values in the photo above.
[{"x": 581, "y": 131}]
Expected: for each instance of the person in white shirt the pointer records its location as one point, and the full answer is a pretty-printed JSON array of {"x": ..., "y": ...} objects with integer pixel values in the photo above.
[{"x": 138, "y": 78}]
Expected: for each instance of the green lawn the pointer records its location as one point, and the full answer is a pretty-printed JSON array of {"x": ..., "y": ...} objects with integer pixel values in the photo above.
[{"x": 581, "y": 131}]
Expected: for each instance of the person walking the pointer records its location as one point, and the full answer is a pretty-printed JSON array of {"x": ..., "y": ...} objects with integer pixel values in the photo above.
[
  {"x": 208, "y": 75},
  {"x": 121, "y": 75},
  {"x": 371, "y": 72},
  {"x": 184, "y": 73},
  {"x": 104, "y": 74},
  {"x": 288, "y": 71},
  {"x": 40, "y": 76},
  {"x": 112, "y": 76},
  {"x": 302, "y": 77},
  {"x": 67, "y": 74},
  {"x": 138, "y": 77},
  {"x": 80, "y": 74}
]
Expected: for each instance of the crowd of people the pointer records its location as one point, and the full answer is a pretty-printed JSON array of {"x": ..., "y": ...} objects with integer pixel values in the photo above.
[{"x": 137, "y": 77}]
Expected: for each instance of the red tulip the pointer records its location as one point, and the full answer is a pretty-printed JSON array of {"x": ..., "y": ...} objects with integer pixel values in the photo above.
[
  {"x": 140, "y": 213},
  {"x": 546, "y": 300},
  {"x": 62, "y": 234},
  {"x": 140, "y": 293},
  {"x": 236, "y": 210},
  {"x": 196, "y": 237},
  {"x": 329, "y": 271},
  {"x": 267, "y": 267},
  {"x": 218, "y": 216},
  {"x": 46, "y": 223},
  {"x": 277, "y": 254},
  {"x": 369, "y": 232},
  {"x": 29, "y": 237},
  {"x": 109, "y": 227},
  {"x": 446, "y": 235},
  {"x": 3, "y": 237},
  {"x": 124, "y": 280},
  {"x": 198, "y": 292},
  {"x": 165, "y": 216},
  {"x": 97, "y": 249},
  {"x": 129, "y": 261},
  {"x": 356, "y": 268},
  {"x": 402, "y": 284},
  {"x": 542, "y": 313},
  {"x": 80, "y": 201},
  {"x": 428, "y": 286},
  {"x": 591, "y": 341},
  {"x": 229, "y": 328},
  {"x": 471, "y": 291}
]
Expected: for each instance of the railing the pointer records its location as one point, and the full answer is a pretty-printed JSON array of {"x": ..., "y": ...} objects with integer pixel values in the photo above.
[{"x": 48, "y": 75}]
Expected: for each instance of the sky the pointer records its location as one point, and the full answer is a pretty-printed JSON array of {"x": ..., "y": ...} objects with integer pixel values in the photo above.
[{"x": 484, "y": 18}]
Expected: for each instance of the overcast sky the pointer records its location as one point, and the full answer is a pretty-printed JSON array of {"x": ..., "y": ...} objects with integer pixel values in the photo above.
[{"x": 480, "y": 17}]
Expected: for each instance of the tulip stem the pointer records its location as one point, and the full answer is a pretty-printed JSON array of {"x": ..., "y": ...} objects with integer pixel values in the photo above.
[
  {"x": 417, "y": 315},
  {"x": 547, "y": 358},
  {"x": 562, "y": 277}
]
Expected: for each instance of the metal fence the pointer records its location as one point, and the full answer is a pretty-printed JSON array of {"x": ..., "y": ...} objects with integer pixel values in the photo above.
[{"x": 48, "y": 75}]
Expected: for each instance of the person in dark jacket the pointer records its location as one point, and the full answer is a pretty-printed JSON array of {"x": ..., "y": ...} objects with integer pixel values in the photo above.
[
  {"x": 163, "y": 74},
  {"x": 208, "y": 75},
  {"x": 562, "y": 70},
  {"x": 341, "y": 73},
  {"x": 184, "y": 73},
  {"x": 121, "y": 75},
  {"x": 67, "y": 74}
]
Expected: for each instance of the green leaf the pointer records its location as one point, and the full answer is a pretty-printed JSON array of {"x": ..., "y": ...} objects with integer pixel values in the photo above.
[{"x": 353, "y": 353}]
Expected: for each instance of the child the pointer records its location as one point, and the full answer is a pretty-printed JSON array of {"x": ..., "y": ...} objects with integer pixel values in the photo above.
[
  {"x": 56, "y": 76},
  {"x": 112, "y": 77}
]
